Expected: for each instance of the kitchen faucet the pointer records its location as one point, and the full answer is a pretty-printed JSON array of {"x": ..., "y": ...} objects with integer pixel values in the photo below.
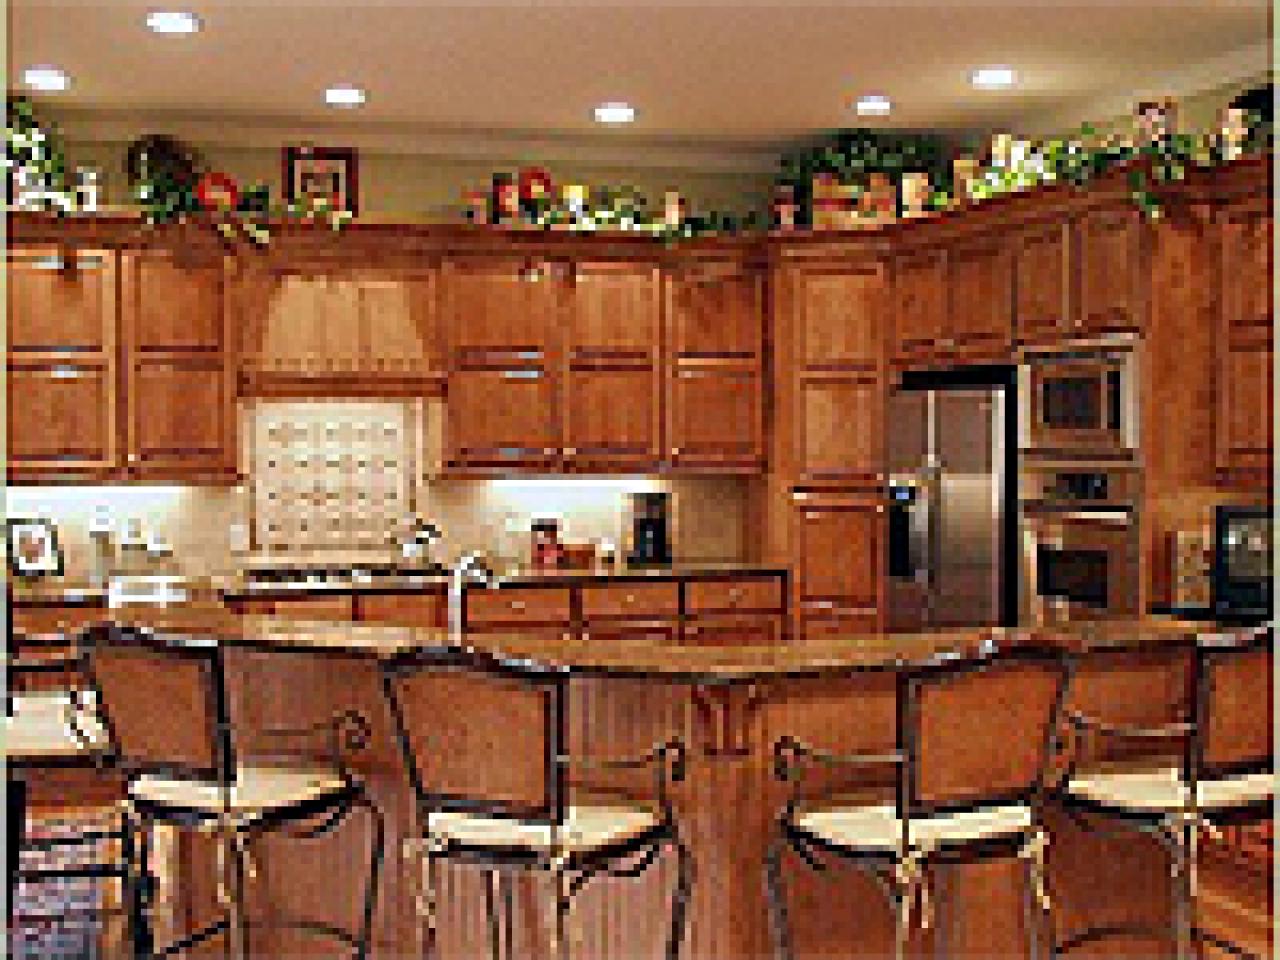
[{"x": 471, "y": 568}]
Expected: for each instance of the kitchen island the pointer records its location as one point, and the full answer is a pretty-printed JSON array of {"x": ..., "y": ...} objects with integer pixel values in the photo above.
[{"x": 730, "y": 704}]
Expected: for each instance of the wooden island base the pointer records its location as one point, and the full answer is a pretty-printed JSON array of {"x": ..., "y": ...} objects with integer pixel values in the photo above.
[{"x": 726, "y": 808}]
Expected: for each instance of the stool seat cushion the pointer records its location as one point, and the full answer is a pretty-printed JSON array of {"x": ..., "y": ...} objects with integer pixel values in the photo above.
[
  {"x": 41, "y": 730},
  {"x": 585, "y": 829},
  {"x": 1161, "y": 790},
  {"x": 878, "y": 829},
  {"x": 257, "y": 790}
]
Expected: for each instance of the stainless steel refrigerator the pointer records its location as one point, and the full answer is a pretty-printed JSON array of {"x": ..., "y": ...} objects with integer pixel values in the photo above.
[{"x": 952, "y": 516}]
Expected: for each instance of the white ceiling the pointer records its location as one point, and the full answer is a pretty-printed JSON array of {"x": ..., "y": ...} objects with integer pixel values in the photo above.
[{"x": 744, "y": 72}]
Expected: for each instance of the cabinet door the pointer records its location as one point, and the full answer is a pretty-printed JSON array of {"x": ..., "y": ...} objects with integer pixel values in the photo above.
[
  {"x": 615, "y": 311},
  {"x": 840, "y": 316},
  {"x": 1042, "y": 281},
  {"x": 1111, "y": 288},
  {"x": 61, "y": 300},
  {"x": 422, "y": 609},
  {"x": 611, "y": 417},
  {"x": 179, "y": 395},
  {"x": 715, "y": 416},
  {"x": 502, "y": 308},
  {"x": 716, "y": 311},
  {"x": 980, "y": 311},
  {"x": 733, "y": 632},
  {"x": 61, "y": 416},
  {"x": 1245, "y": 404},
  {"x": 1246, "y": 270},
  {"x": 840, "y": 433},
  {"x": 505, "y": 418},
  {"x": 838, "y": 555},
  {"x": 920, "y": 303}
]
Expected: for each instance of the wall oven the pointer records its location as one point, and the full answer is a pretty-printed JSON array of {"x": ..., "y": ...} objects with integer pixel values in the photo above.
[
  {"x": 1080, "y": 402},
  {"x": 1080, "y": 544}
]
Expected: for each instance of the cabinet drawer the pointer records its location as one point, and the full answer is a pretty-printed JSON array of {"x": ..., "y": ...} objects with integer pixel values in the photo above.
[
  {"x": 744, "y": 595},
  {"x": 632, "y": 635},
  {"x": 631, "y": 600},
  {"x": 36, "y": 620},
  {"x": 333, "y": 607},
  {"x": 840, "y": 626},
  {"x": 402, "y": 609},
  {"x": 733, "y": 632},
  {"x": 518, "y": 606}
]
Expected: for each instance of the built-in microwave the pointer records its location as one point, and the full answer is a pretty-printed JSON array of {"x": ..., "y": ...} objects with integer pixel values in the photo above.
[{"x": 1080, "y": 402}]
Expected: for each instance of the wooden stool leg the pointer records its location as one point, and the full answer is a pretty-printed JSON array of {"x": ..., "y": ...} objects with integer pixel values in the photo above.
[
  {"x": 777, "y": 893},
  {"x": 492, "y": 892},
  {"x": 680, "y": 900}
]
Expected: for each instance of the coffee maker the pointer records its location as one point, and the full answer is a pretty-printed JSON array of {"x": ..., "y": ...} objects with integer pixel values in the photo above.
[{"x": 650, "y": 530}]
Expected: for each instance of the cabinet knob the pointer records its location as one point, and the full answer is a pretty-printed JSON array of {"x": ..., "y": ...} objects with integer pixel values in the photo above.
[
  {"x": 570, "y": 451},
  {"x": 517, "y": 605},
  {"x": 629, "y": 598},
  {"x": 675, "y": 451},
  {"x": 735, "y": 594}
]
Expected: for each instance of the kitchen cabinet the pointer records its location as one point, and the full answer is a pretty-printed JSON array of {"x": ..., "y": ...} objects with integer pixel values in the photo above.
[
  {"x": 338, "y": 330},
  {"x": 730, "y": 631},
  {"x": 62, "y": 360},
  {"x": 333, "y": 606},
  {"x": 179, "y": 369},
  {"x": 838, "y": 543},
  {"x": 502, "y": 419},
  {"x": 840, "y": 433},
  {"x": 979, "y": 314},
  {"x": 1110, "y": 244},
  {"x": 738, "y": 595},
  {"x": 715, "y": 367},
  {"x": 839, "y": 316},
  {"x": 1043, "y": 299},
  {"x": 1246, "y": 259},
  {"x": 630, "y": 613},
  {"x": 519, "y": 608},
  {"x": 1244, "y": 415},
  {"x": 612, "y": 386},
  {"x": 426, "y": 609},
  {"x": 919, "y": 303}
]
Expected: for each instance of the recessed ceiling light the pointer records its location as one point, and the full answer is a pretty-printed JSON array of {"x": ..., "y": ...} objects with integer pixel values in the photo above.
[
  {"x": 873, "y": 105},
  {"x": 49, "y": 79},
  {"x": 993, "y": 78},
  {"x": 615, "y": 112},
  {"x": 344, "y": 96},
  {"x": 173, "y": 22}
]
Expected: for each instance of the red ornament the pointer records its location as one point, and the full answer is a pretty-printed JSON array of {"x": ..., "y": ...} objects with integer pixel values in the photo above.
[
  {"x": 534, "y": 183},
  {"x": 217, "y": 191}
]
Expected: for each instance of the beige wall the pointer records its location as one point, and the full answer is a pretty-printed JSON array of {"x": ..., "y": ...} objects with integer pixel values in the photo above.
[{"x": 417, "y": 185}]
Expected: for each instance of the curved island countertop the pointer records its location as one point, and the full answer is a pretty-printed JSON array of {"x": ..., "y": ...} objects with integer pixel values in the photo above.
[{"x": 689, "y": 662}]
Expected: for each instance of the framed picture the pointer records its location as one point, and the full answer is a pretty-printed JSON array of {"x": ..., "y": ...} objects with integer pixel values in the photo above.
[
  {"x": 33, "y": 548},
  {"x": 321, "y": 173}
]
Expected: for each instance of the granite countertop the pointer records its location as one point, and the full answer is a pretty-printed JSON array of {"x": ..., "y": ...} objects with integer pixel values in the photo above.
[
  {"x": 82, "y": 593},
  {"x": 213, "y": 623}
]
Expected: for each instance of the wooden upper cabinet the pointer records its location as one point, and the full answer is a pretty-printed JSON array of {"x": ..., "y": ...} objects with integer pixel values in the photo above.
[
  {"x": 61, "y": 300},
  {"x": 373, "y": 330},
  {"x": 920, "y": 307},
  {"x": 840, "y": 430},
  {"x": 715, "y": 369},
  {"x": 1246, "y": 243},
  {"x": 62, "y": 360},
  {"x": 502, "y": 419},
  {"x": 502, "y": 307},
  {"x": 173, "y": 304},
  {"x": 980, "y": 307},
  {"x": 1042, "y": 280},
  {"x": 615, "y": 311},
  {"x": 839, "y": 315},
  {"x": 1109, "y": 241}
]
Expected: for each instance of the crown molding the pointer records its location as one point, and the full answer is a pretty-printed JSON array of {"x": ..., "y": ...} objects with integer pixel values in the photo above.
[
  {"x": 513, "y": 146},
  {"x": 1242, "y": 63}
]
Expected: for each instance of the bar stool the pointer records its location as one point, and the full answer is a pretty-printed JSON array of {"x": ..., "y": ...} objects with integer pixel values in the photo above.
[
  {"x": 1225, "y": 774},
  {"x": 164, "y": 705},
  {"x": 973, "y": 740},
  {"x": 43, "y": 732},
  {"x": 484, "y": 749}
]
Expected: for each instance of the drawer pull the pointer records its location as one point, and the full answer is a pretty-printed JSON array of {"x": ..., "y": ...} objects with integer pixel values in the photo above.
[
  {"x": 736, "y": 594},
  {"x": 521, "y": 374},
  {"x": 630, "y": 598},
  {"x": 55, "y": 262},
  {"x": 518, "y": 605}
]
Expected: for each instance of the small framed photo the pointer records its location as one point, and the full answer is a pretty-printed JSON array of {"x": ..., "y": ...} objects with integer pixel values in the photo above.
[
  {"x": 327, "y": 174},
  {"x": 33, "y": 548}
]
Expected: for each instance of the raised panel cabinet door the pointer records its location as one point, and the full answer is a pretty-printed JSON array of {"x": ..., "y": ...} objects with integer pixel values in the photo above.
[
  {"x": 611, "y": 416},
  {"x": 504, "y": 307},
  {"x": 61, "y": 417},
  {"x": 172, "y": 305},
  {"x": 716, "y": 311},
  {"x": 180, "y": 417},
  {"x": 980, "y": 314},
  {"x": 840, "y": 433},
  {"x": 840, "y": 316},
  {"x": 61, "y": 300},
  {"x": 839, "y": 546},
  {"x": 919, "y": 302},
  {"x": 1110, "y": 250},
  {"x": 1042, "y": 282},
  {"x": 1245, "y": 406},
  {"x": 501, "y": 418},
  {"x": 1246, "y": 268},
  {"x": 615, "y": 311},
  {"x": 715, "y": 415}
]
